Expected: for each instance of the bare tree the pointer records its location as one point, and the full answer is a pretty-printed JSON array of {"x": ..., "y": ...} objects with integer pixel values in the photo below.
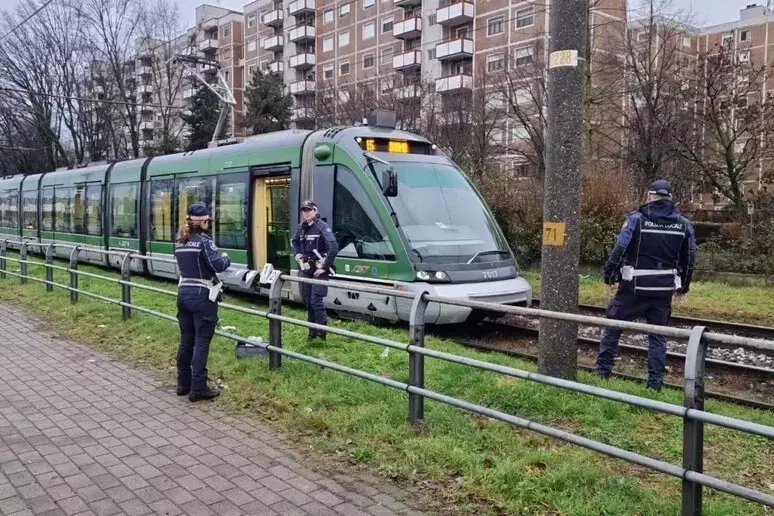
[
  {"x": 653, "y": 58},
  {"x": 110, "y": 28},
  {"x": 733, "y": 121}
]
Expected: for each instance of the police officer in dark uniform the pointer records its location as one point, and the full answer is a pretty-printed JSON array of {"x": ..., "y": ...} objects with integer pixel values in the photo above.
[
  {"x": 315, "y": 247},
  {"x": 197, "y": 302},
  {"x": 652, "y": 261}
]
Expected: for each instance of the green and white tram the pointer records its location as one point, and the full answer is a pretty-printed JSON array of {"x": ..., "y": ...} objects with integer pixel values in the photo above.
[{"x": 403, "y": 214}]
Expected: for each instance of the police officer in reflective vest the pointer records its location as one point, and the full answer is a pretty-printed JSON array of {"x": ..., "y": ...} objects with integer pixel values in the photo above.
[
  {"x": 652, "y": 261},
  {"x": 197, "y": 302},
  {"x": 315, "y": 247}
]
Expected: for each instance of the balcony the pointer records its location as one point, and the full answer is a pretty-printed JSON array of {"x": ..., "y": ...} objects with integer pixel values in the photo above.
[
  {"x": 413, "y": 91},
  {"x": 407, "y": 3},
  {"x": 144, "y": 71},
  {"x": 302, "y": 33},
  {"x": 410, "y": 28},
  {"x": 454, "y": 49},
  {"x": 99, "y": 89},
  {"x": 146, "y": 126},
  {"x": 189, "y": 93},
  {"x": 454, "y": 83},
  {"x": 301, "y": 7},
  {"x": 303, "y": 88},
  {"x": 208, "y": 68},
  {"x": 209, "y": 24},
  {"x": 276, "y": 67},
  {"x": 274, "y": 18},
  {"x": 273, "y": 43},
  {"x": 456, "y": 14},
  {"x": 303, "y": 61},
  {"x": 209, "y": 44},
  {"x": 144, "y": 89},
  {"x": 302, "y": 113},
  {"x": 146, "y": 109},
  {"x": 411, "y": 60}
]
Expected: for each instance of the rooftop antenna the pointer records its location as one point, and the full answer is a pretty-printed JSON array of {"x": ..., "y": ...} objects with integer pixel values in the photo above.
[{"x": 221, "y": 90}]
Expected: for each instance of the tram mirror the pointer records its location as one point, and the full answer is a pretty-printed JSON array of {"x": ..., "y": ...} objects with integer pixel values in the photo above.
[{"x": 390, "y": 183}]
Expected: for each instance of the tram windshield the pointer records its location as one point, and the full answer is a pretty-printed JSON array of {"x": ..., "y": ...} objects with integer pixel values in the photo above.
[{"x": 443, "y": 217}]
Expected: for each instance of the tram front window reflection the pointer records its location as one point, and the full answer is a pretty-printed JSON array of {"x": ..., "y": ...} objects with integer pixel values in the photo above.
[{"x": 442, "y": 216}]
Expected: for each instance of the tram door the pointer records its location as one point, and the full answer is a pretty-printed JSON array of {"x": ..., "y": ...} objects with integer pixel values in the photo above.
[{"x": 271, "y": 222}]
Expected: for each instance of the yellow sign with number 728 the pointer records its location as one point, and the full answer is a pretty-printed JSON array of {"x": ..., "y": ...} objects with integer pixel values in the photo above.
[{"x": 554, "y": 233}]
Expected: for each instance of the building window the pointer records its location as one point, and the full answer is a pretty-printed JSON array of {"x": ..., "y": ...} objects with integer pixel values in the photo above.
[
  {"x": 643, "y": 36},
  {"x": 728, "y": 38},
  {"x": 328, "y": 71},
  {"x": 344, "y": 10},
  {"x": 251, "y": 21},
  {"x": 227, "y": 75},
  {"x": 368, "y": 61},
  {"x": 431, "y": 54},
  {"x": 387, "y": 24},
  {"x": 525, "y": 17},
  {"x": 226, "y": 31},
  {"x": 495, "y": 62},
  {"x": 744, "y": 35},
  {"x": 368, "y": 3},
  {"x": 343, "y": 38},
  {"x": 495, "y": 26},
  {"x": 251, "y": 70},
  {"x": 355, "y": 220},
  {"x": 386, "y": 56},
  {"x": 328, "y": 16},
  {"x": 386, "y": 85},
  {"x": 369, "y": 30},
  {"x": 328, "y": 44},
  {"x": 344, "y": 68},
  {"x": 523, "y": 56},
  {"x": 686, "y": 41},
  {"x": 251, "y": 46},
  {"x": 432, "y": 19}
]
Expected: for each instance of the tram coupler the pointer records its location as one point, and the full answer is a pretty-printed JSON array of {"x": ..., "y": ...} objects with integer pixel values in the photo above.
[{"x": 250, "y": 349}]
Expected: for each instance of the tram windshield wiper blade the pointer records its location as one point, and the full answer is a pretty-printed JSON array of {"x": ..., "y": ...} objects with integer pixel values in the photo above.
[
  {"x": 421, "y": 258},
  {"x": 481, "y": 253}
]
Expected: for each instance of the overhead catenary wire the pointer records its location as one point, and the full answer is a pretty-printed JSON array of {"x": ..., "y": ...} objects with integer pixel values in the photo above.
[{"x": 25, "y": 20}]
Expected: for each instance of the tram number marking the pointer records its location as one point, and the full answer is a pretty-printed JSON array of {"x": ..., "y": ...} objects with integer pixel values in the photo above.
[
  {"x": 554, "y": 233},
  {"x": 490, "y": 274}
]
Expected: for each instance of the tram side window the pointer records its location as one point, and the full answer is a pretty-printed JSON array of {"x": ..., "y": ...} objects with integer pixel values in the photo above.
[
  {"x": 63, "y": 217},
  {"x": 77, "y": 202},
  {"x": 12, "y": 211},
  {"x": 191, "y": 191},
  {"x": 124, "y": 212},
  {"x": 3, "y": 208},
  {"x": 93, "y": 211},
  {"x": 162, "y": 228},
  {"x": 231, "y": 212},
  {"x": 359, "y": 232},
  {"x": 30, "y": 207},
  {"x": 47, "y": 211}
]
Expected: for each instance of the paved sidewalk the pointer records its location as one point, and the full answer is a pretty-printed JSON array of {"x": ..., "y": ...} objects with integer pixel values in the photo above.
[{"x": 81, "y": 434}]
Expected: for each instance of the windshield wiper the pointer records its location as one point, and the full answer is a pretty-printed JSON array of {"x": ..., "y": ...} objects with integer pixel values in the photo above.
[
  {"x": 481, "y": 253},
  {"x": 421, "y": 258}
]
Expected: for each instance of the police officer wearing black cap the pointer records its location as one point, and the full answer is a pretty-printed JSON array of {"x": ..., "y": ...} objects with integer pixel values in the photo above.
[
  {"x": 197, "y": 302},
  {"x": 652, "y": 261},
  {"x": 315, "y": 247}
]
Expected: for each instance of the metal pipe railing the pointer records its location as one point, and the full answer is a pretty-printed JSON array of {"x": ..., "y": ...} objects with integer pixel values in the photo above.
[{"x": 692, "y": 411}]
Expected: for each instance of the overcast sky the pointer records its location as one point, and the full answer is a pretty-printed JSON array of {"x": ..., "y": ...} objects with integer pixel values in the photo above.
[{"x": 707, "y": 12}]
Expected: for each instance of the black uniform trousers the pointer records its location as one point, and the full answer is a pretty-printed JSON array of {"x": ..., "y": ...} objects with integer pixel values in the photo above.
[
  {"x": 313, "y": 298},
  {"x": 197, "y": 316}
]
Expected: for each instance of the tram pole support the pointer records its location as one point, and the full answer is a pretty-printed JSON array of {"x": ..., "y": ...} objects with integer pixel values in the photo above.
[{"x": 561, "y": 202}]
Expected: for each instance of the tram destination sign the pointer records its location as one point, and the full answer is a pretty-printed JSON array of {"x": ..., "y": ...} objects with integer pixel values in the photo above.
[{"x": 393, "y": 146}]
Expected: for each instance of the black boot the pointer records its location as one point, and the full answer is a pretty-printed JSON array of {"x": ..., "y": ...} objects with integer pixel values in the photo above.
[
  {"x": 182, "y": 391},
  {"x": 207, "y": 394},
  {"x": 312, "y": 335}
]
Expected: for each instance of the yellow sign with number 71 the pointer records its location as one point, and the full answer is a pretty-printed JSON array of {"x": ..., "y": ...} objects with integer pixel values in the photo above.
[{"x": 554, "y": 233}]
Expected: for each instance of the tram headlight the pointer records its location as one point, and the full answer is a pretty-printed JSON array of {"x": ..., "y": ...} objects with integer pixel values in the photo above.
[{"x": 438, "y": 276}]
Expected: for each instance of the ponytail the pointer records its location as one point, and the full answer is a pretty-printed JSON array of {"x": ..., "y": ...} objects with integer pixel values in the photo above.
[{"x": 185, "y": 232}]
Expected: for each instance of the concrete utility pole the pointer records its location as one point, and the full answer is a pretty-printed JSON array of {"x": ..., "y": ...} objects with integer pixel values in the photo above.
[{"x": 558, "y": 354}]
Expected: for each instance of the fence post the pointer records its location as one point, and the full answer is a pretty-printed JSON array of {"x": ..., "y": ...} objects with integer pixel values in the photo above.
[
  {"x": 126, "y": 290},
  {"x": 23, "y": 263},
  {"x": 3, "y": 251},
  {"x": 74, "y": 274},
  {"x": 49, "y": 270},
  {"x": 275, "y": 326},
  {"x": 416, "y": 360},
  {"x": 693, "y": 431}
]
